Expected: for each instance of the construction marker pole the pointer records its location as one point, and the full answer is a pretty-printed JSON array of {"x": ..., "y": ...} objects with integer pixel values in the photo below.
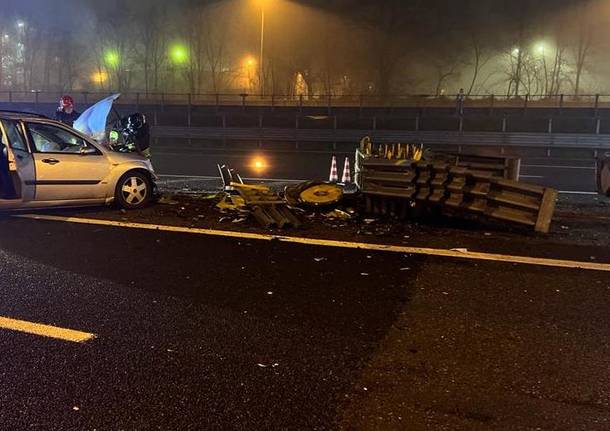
[
  {"x": 347, "y": 176},
  {"x": 334, "y": 175}
]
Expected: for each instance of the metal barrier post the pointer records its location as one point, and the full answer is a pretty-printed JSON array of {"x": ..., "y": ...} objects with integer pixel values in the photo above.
[
  {"x": 36, "y": 93},
  {"x": 596, "y": 104},
  {"x": 527, "y": 98},
  {"x": 189, "y": 112},
  {"x": 550, "y": 126},
  {"x": 560, "y": 102},
  {"x": 598, "y": 125},
  {"x": 504, "y": 124}
]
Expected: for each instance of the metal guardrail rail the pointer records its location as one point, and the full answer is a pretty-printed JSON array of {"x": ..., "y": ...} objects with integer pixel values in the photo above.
[
  {"x": 456, "y": 139},
  {"x": 490, "y": 101}
]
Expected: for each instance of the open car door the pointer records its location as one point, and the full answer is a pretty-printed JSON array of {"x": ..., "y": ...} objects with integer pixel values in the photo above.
[{"x": 18, "y": 175}]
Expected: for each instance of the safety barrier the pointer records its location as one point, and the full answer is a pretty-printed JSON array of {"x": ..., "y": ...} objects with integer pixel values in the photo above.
[{"x": 392, "y": 186}]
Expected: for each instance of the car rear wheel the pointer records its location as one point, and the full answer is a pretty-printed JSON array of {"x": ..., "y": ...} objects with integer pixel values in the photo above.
[{"x": 133, "y": 190}]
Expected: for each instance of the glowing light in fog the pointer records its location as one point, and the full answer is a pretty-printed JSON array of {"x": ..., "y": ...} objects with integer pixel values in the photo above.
[
  {"x": 259, "y": 164},
  {"x": 179, "y": 53},
  {"x": 99, "y": 77},
  {"x": 112, "y": 58}
]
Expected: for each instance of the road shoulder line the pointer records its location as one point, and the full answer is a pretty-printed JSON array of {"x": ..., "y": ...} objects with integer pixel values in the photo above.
[
  {"x": 42, "y": 330},
  {"x": 453, "y": 253}
]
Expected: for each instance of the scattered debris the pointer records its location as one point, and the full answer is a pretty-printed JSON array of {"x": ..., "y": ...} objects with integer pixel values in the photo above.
[
  {"x": 338, "y": 214},
  {"x": 314, "y": 194},
  {"x": 274, "y": 365},
  {"x": 167, "y": 200}
]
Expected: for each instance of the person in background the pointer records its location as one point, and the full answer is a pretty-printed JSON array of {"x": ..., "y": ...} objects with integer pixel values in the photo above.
[{"x": 66, "y": 113}]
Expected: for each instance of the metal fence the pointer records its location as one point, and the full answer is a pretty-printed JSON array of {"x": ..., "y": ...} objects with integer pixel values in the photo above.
[{"x": 488, "y": 101}]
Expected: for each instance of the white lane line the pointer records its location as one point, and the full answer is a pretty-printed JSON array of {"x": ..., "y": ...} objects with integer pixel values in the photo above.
[
  {"x": 569, "y": 192},
  {"x": 557, "y": 263},
  {"x": 530, "y": 176},
  {"x": 592, "y": 168},
  {"x": 45, "y": 330}
]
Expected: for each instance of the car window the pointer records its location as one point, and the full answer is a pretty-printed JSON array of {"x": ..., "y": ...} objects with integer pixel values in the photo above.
[
  {"x": 14, "y": 135},
  {"x": 52, "y": 139}
]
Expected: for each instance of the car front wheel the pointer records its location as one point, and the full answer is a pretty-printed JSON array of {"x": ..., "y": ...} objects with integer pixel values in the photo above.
[{"x": 133, "y": 191}]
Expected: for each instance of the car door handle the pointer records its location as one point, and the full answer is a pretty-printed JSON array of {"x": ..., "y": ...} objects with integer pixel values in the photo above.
[{"x": 50, "y": 161}]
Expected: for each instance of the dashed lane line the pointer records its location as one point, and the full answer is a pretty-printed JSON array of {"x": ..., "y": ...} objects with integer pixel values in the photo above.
[
  {"x": 45, "y": 330},
  {"x": 450, "y": 253}
]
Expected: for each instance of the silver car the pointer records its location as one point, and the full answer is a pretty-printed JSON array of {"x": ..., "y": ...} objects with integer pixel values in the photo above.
[{"x": 44, "y": 163}]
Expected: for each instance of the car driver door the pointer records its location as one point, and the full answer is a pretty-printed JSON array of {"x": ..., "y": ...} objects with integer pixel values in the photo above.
[
  {"x": 18, "y": 173},
  {"x": 67, "y": 166}
]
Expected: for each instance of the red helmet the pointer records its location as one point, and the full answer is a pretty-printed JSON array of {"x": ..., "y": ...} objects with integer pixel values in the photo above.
[{"x": 66, "y": 101}]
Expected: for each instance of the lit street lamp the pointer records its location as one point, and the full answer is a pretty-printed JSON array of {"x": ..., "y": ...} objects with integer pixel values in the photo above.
[{"x": 262, "y": 70}]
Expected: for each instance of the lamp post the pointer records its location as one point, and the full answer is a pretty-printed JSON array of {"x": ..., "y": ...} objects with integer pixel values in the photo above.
[{"x": 262, "y": 70}]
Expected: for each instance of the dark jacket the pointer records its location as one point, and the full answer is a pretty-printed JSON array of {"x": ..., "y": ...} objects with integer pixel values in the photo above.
[{"x": 64, "y": 117}]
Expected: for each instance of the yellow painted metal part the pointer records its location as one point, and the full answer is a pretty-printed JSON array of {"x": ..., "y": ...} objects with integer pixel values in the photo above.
[{"x": 322, "y": 194}]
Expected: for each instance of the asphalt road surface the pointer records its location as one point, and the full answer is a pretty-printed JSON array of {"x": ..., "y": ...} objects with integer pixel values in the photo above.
[
  {"x": 565, "y": 175},
  {"x": 197, "y": 332}
]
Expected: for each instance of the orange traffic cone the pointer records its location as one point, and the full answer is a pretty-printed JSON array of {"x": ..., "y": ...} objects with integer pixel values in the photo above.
[
  {"x": 334, "y": 176},
  {"x": 347, "y": 176}
]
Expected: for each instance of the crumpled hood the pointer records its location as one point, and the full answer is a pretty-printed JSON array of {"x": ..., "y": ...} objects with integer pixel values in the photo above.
[{"x": 93, "y": 121}]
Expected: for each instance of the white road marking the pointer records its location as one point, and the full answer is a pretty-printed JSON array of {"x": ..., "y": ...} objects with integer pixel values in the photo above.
[
  {"x": 568, "y": 192},
  {"x": 592, "y": 168},
  {"x": 530, "y": 176},
  {"x": 557, "y": 263},
  {"x": 45, "y": 330}
]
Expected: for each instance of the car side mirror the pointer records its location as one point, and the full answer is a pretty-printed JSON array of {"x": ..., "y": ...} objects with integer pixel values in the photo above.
[{"x": 87, "y": 150}]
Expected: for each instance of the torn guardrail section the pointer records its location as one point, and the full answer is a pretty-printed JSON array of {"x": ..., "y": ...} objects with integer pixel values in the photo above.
[{"x": 392, "y": 186}]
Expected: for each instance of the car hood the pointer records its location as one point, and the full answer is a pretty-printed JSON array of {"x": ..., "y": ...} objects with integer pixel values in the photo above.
[{"x": 93, "y": 121}]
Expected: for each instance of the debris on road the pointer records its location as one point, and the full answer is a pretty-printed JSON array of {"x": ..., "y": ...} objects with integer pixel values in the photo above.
[
  {"x": 313, "y": 194},
  {"x": 398, "y": 180}
]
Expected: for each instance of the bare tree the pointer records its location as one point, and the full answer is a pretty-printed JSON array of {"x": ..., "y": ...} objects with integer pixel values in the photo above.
[{"x": 584, "y": 43}]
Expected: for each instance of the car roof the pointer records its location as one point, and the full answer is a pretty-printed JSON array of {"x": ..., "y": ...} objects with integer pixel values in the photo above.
[{"x": 20, "y": 115}]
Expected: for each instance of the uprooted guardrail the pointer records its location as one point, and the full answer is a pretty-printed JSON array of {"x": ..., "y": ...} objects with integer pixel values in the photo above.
[{"x": 391, "y": 186}]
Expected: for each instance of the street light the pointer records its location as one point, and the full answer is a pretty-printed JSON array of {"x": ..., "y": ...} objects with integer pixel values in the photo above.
[
  {"x": 112, "y": 58},
  {"x": 179, "y": 53},
  {"x": 249, "y": 64},
  {"x": 263, "y": 3}
]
